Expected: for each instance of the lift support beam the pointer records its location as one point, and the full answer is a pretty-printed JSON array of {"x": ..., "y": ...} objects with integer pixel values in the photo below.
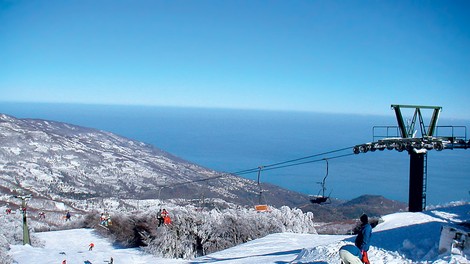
[{"x": 417, "y": 188}]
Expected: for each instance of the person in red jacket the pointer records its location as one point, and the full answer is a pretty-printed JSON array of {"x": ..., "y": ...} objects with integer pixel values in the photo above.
[
  {"x": 91, "y": 246},
  {"x": 166, "y": 217}
]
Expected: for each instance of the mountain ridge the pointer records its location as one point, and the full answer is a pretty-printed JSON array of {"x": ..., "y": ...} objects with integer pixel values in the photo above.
[
  {"x": 84, "y": 162},
  {"x": 60, "y": 162}
]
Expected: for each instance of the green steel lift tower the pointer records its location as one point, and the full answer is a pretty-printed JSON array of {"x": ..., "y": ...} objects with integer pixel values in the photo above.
[
  {"x": 405, "y": 136},
  {"x": 24, "y": 199}
]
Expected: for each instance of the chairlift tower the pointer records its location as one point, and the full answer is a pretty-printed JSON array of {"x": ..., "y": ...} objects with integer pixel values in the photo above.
[
  {"x": 24, "y": 199},
  {"x": 405, "y": 137}
]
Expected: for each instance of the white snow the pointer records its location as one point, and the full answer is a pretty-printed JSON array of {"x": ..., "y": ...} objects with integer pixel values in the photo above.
[
  {"x": 400, "y": 238},
  {"x": 404, "y": 219},
  {"x": 72, "y": 245},
  {"x": 13, "y": 150},
  {"x": 60, "y": 206}
]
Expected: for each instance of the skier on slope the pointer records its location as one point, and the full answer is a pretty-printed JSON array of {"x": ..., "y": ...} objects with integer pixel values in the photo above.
[{"x": 42, "y": 215}]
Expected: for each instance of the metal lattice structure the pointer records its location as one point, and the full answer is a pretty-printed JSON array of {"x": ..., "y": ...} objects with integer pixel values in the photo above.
[
  {"x": 405, "y": 136},
  {"x": 24, "y": 199}
]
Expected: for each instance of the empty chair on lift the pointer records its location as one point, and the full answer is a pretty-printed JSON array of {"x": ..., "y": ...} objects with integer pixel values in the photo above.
[
  {"x": 319, "y": 199},
  {"x": 261, "y": 207}
]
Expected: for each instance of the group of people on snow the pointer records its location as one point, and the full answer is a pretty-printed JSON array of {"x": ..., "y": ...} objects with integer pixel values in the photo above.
[
  {"x": 90, "y": 248},
  {"x": 8, "y": 210},
  {"x": 163, "y": 217},
  {"x": 349, "y": 254},
  {"x": 105, "y": 219},
  {"x": 357, "y": 253},
  {"x": 41, "y": 215}
]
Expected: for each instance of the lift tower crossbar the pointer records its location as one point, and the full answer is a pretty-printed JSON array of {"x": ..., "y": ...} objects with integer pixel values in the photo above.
[
  {"x": 417, "y": 147},
  {"x": 407, "y": 133}
]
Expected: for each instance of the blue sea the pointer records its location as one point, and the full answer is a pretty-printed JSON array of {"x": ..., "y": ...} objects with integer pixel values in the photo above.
[{"x": 236, "y": 140}]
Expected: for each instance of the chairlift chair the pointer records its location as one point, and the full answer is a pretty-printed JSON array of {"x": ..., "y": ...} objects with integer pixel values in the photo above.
[
  {"x": 261, "y": 207},
  {"x": 320, "y": 199},
  {"x": 317, "y": 199}
]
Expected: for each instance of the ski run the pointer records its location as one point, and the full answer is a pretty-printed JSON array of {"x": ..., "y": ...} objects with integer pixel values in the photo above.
[{"x": 436, "y": 236}]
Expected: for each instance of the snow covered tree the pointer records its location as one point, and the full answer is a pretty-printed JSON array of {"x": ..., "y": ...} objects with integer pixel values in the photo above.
[
  {"x": 12, "y": 233},
  {"x": 194, "y": 232}
]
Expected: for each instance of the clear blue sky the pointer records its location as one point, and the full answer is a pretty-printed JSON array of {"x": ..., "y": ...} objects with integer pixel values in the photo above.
[{"x": 329, "y": 56}]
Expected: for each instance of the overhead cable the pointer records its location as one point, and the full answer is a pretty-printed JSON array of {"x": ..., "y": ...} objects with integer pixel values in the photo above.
[{"x": 274, "y": 166}]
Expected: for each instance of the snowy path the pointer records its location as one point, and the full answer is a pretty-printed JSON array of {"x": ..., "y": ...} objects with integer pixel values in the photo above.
[
  {"x": 72, "y": 245},
  {"x": 275, "y": 248}
]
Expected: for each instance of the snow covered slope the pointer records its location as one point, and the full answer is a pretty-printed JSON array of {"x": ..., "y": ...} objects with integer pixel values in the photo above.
[
  {"x": 401, "y": 238},
  {"x": 60, "y": 162},
  {"x": 72, "y": 246}
]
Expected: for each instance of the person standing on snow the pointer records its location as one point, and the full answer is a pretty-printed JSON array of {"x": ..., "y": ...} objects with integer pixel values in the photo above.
[
  {"x": 91, "y": 246},
  {"x": 42, "y": 215},
  {"x": 363, "y": 238},
  {"x": 350, "y": 254},
  {"x": 160, "y": 217}
]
